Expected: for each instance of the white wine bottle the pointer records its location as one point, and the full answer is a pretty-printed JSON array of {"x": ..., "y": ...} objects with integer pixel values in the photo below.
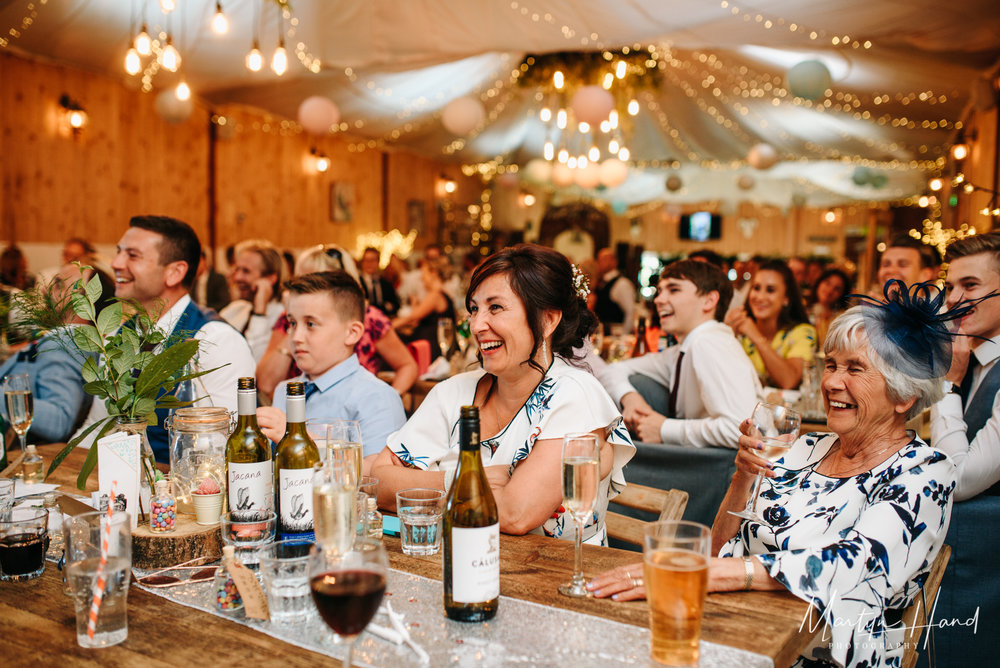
[
  {"x": 248, "y": 457},
  {"x": 293, "y": 470},
  {"x": 471, "y": 533}
]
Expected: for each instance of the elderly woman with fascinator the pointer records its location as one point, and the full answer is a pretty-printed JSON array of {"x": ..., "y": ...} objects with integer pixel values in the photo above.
[
  {"x": 853, "y": 519},
  {"x": 527, "y": 310}
]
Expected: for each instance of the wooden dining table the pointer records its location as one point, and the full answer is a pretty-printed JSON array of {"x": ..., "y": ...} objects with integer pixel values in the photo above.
[{"x": 40, "y": 626}]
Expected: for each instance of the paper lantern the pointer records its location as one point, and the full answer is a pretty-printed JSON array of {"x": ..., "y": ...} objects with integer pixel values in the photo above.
[
  {"x": 619, "y": 208},
  {"x": 537, "y": 172},
  {"x": 879, "y": 180},
  {"x": 171, "y": 108},
  {"x": 613, "y": 172},
  {"x": 562, "y": 175},
  {"x": 674, "y": 183},
  {"x": 746, "y": 182},
  {"x": 861, "y": 176},
  {"x": 810, "y": 79},
  {"x": 318, "y": 114},
  {"x": 589, "y": 176},
  {"x": 592, "y": 104},
  {"x": 507, "y": 180},
  {"x": 798, "y": 200},
  {"x": 463, "y": 115},
  {"x": 762, "y": 156}
]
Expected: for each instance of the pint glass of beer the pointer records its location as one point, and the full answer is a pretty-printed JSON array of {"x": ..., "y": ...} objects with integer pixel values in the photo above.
[{"x": 676, "y": 558}]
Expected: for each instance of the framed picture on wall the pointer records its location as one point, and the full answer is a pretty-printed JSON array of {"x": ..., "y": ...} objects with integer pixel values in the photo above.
[
  {"x": 341, "y": 202},
  {"x": 416, "y": 211}
]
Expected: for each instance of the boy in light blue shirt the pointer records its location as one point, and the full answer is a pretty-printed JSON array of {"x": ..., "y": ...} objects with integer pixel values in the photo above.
[{"x": 325, "y": 321}]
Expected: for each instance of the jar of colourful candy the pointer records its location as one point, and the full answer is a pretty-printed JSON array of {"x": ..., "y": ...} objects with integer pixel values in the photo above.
[
  {"x": 162, "y": 509},
  {"x": 227, "y": 597}
]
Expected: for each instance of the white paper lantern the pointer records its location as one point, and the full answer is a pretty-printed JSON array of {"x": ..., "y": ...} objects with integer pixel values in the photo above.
[
  {"x": 589, "y": 176},
  {"x": 318, "y": 114},
  {"x": 562, "y": 175},
  {"x": 462, "y": 115},
  {"x": 746, "y": 182},
  {"x": 762, "y": 156},
  {"x": 810, "y": 79},
  {"x": 507, "y": 180},
  {"x": 613, "y": 172},
  {"x": 674, "y": 183},
  {"x": 537, "y": 172},
  {"x": 592, "y": 104},
  {"x": 171, "y": 108}
]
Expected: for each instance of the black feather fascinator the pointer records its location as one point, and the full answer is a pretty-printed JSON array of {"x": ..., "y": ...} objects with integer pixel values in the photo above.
[{"x": 909, "y": 328}]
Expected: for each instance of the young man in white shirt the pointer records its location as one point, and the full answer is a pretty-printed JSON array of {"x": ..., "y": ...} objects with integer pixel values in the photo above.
[{"x": 712, "y": 384}]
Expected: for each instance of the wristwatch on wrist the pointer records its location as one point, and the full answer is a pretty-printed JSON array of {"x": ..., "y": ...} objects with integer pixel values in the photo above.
[{"x": 952, "y": 388}]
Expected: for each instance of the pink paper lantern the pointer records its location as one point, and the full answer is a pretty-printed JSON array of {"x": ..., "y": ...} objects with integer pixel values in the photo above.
[
  {"x": 762, "y": 156},
  {"x": 589, "y": 176},
  {"x": 592, "y": 104},
  {"x": 537, "y": 172},
  {"x": 318, "y": 114},
  {"x": 562, "y": 175},
  {"x": 674, "y": 183},
  {"x": 463, "y": 115},
  {"x": 746, "y": 182},
  {"x": 613, "y": 172}
]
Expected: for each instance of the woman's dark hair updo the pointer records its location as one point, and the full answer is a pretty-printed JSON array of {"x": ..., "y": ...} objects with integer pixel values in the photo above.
[{"x": 542, "y": 279}]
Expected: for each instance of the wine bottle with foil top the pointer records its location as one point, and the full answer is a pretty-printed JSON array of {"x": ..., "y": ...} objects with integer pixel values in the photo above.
[
  {"x": 293, "y": 464},
  {"x": 248, "y": 457},
  {"x": 471, "y": 533}
]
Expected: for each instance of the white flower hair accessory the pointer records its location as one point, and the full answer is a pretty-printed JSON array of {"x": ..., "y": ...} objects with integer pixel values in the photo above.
[{"x": 580, "y": 283}]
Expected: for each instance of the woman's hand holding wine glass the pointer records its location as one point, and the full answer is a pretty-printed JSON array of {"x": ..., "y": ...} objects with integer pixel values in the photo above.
[{"x": 777, "y": 428}]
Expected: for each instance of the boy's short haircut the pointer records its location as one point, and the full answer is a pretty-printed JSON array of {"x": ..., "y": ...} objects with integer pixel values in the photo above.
[
  {"x": 706, "y": 278},
  {"x": 348, "y": 300},
  {"x": 930, "y": 257}
]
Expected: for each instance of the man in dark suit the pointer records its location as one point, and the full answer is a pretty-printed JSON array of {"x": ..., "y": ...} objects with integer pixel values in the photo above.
[{"x": 378, "y": 289}]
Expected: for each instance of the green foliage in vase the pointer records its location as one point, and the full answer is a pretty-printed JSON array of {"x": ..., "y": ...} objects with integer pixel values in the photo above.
[{"x": 127, "y": 362}]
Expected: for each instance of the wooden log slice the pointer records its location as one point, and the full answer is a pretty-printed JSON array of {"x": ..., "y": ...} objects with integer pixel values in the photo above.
[{"x": 187, "y": 541}]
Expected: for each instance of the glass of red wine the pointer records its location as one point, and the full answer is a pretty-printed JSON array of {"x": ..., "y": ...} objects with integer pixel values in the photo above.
[{"x": 348, "y": 586}]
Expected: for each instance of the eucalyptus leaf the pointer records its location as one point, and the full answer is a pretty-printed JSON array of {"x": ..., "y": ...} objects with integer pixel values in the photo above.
[{"x": 109, "y": 319}]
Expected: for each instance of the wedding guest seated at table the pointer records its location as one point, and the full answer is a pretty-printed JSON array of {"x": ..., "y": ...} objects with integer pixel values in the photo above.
[
  {"x": 773, "y": 327},
  {"x": 712, "y": 382},
  {"x": 908, "y": 260},
  {"x": 853, "y": 519},
  {"x": 527, "y": 315},
  {"x": 257, "y": 277},
  {"x": 53, "y": 363},
  {"x": 828, "y": 299},
  {"x": 379, "y": 348},
  {"x": 420, "y": 323},
  {"x": 378, "y": 289},
  {"x": 325, "y": 312}
]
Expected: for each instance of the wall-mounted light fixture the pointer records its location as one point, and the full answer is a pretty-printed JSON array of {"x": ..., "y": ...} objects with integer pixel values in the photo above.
[
  {"x": 446, "y": 186},
  {"x": 960, "y": 151},
  {"x": 74, "y": 117},
  {"x": 319, "y": 161}
]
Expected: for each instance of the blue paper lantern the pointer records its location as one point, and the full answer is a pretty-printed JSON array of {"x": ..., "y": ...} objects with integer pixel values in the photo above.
[{"x": 809, "y": 80}]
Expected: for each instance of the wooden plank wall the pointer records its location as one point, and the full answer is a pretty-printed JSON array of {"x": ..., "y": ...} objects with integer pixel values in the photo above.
[{"x": 129, "y": 161}]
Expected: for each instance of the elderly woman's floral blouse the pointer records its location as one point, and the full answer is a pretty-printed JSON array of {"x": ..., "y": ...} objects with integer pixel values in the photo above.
[{"x": 858, "y": 548}]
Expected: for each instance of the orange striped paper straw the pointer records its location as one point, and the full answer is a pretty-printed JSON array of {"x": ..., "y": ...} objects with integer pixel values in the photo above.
[{"x": 99, "y": 582}]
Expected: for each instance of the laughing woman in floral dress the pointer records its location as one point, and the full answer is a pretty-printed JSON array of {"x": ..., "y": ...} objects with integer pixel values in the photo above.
[
  {"x": 853, "y": 519},
  {"x": 527, "y": 312}
]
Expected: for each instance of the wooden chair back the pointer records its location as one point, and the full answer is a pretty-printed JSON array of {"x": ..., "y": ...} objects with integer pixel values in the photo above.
[
  {"x": 667, "y": 504},
  {"x": 915, "y": 616}
]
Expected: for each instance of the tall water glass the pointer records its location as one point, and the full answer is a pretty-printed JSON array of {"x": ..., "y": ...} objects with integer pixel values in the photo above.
[
  {"x": 581, "y": 479},
  {"x": 20, "y": 404},
  {"x": 83, "y": 536},
  {"x": 675, "y": 565}
]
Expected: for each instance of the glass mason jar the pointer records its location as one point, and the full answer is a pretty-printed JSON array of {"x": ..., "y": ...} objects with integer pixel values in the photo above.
[
  {"x": 197, "y": 442},
  {"x": 147, "y": 475}
]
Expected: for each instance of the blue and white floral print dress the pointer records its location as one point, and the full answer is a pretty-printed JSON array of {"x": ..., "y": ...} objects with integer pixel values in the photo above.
[
  {"x": 567, "y": 400},
  {"x": 858, "y": 548}
]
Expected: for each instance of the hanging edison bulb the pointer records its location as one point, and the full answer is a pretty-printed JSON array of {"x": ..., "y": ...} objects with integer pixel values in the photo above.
[
  {"x": 143, "y": 44},
  {"x": 170, "y": 57},
  {"x": 545, "y": 115},
  {"x": 168, "y": 5},
  {"x": 558, "y": 79},
  {"x": 613, "y": 146},
  {"x": 594, "y": 154},
  {"x": 279, "y": 61},
  {"x": 183, "y": 91},
  {"x": 220, "y": 24},
  {"x": 623, "y": 154},
  {"x": 549, "y": 151},
  {"x": 633, "y": 107},
  {"x": 561, "y": 119},
  {"x": 254, "y": 60},
  {"x": 132, "y": 62}
]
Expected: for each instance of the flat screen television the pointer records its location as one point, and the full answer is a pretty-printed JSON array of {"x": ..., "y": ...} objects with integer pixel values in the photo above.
[{"x": 701, "y": 226}]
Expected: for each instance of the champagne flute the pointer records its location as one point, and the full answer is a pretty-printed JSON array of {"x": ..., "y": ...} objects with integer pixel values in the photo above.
[
  {"x": 343, "y": 439},
  {"x": 20, "y": 404},
  {"x": 445, "y": 335},
  {"x": 334, "y": 489},
  {"x": 347, "y": 587},
  {"x": 581, "y": 478},
  {"x": 777, "y": 427}
]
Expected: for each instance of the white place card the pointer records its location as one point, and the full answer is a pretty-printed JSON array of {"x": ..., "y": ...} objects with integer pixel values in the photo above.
[{"x": 118, "y": 464}]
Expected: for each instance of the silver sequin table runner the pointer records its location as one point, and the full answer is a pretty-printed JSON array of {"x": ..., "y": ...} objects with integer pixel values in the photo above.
[{"x": 522, "y": 633}]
